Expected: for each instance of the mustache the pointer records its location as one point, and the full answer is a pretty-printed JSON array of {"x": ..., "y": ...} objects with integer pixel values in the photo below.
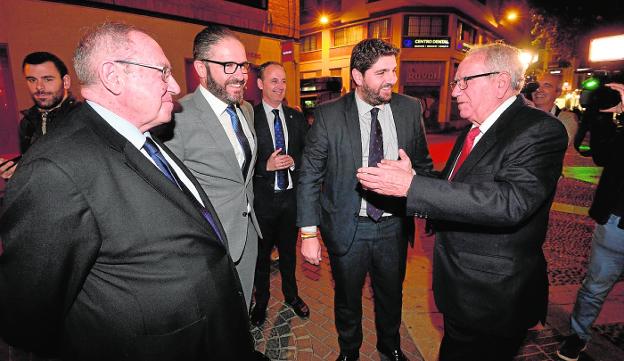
[
  {"x": 235, "y": 82},
  {"x": 42, "y": 93}
]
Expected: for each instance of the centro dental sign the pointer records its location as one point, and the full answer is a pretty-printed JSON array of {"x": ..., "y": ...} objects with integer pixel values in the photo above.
[{"x": 429, "y": 42}]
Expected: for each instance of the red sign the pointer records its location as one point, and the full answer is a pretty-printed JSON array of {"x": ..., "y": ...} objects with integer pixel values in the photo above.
[
  {"x": 423, "y": 73},
  {"x": 288, "y": 53}
]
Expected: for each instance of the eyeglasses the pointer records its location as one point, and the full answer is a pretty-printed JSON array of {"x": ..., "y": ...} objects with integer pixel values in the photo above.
[
  {"x": 230, "y": 67},
  {"x": 165, "y": 70},
  {"x": 463, "y": 82}
]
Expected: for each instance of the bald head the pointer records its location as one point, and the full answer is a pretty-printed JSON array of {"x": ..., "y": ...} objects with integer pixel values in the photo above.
[{"x": 549, "y": 90}]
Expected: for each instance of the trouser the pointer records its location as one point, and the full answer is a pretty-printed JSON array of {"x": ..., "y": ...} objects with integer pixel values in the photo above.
[
  {"x": 277, "y": 219},
  {"x": 380, "y": 250},
  {"x": 606, "y": 264}
]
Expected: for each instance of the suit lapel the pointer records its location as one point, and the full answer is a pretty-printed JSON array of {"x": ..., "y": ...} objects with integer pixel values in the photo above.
[
  {"x": 489, "y": 139},
  {"x": 213, "y": 126},
  {"x": 135, "y": 160},
  {"x": 401, "y": 122},
  {"x": 352, "y": 119},
  {"x": 247, "y": 111}
]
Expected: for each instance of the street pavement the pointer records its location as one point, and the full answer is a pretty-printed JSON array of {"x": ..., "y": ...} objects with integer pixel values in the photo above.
[{"x": 284, "y": 336}]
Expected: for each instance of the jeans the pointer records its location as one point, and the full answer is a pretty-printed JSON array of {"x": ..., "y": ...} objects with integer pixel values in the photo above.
[{"x": 606, "y": 264}]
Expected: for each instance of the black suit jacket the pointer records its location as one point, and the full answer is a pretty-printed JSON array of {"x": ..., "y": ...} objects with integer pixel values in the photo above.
[
  {"x": 106, "y": 259},
  {"x": 329, "y": 194},
  {"x": 489, "y": 271},
  {"x": 264, "y": 181}
]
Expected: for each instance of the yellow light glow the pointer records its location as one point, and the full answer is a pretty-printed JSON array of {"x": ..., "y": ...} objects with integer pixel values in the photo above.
[
  {"x": 607, "y": 49},
  {"x": 324, "y": 19},
  {"x": 527, "y": 58},
  {"x": 512, "y": 15}
]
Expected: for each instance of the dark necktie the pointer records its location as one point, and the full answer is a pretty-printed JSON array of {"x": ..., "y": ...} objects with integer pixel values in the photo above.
[
  {"x": 242, "y": 138},
  {"x": 280, "y": 142},
  {"x": 375, "y": 155},
  {"x": 162, "y": 164},
  {"x": 466, "y": 148}
]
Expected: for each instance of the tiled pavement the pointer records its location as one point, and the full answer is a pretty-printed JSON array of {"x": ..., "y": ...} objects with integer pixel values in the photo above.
[{"x": 284, "y": 336}]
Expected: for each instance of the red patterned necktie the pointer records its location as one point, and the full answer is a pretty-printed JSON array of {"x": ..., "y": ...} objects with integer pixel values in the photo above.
[{"x": 466, "y": 148}]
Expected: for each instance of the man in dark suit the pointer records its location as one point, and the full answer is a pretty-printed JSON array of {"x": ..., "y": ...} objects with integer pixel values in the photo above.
[
  {"x": 280, "y": 134},
  {"x": 490, "y": 211},
  {"x": 112, "y": 251},
  {"x": 364, "y": 233}
]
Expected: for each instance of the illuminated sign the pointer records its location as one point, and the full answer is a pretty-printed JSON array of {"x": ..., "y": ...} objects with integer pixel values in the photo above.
[
  {"x": 608, "y": 48},
  {"x": 438, "y": 42}
]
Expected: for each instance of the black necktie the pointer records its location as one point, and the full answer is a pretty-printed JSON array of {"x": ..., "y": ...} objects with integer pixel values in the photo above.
[
  {"x": 162, "y": 164},
  {"x": 242, "y": 138},
  {"x": 375, "y": 155},
  {"x": 280, "y": 142}
]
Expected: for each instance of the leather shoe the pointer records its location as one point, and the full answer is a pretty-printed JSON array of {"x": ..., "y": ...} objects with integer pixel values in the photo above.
[
  {"x": 259, "y": 356},
  {"x": 258, "y": 315},
  {"x": 347, "y": 358},
  {"x": 301, "y": 309},
  {"x": 394, "y": 355}
]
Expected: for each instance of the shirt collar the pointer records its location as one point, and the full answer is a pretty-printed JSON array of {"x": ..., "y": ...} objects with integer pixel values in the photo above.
[
  {"x": 217, "y": 105},
  {"x": 268, "y": 109},
  {"x": 121, "y": 125},
  {"x": 363, "y": 107},
  {"x": 489, "y": 121}
]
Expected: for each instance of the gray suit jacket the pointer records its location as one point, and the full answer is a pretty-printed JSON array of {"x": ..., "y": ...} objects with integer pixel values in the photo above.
[{"x": 201, "y": 143}]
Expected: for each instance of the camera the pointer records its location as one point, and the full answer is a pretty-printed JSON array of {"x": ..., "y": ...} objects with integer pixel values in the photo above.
[
  {"x": 595, "y": 95},
  {"x": 529, "y": 88}
]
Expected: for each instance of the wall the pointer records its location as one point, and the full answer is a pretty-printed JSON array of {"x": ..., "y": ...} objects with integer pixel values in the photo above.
[{"x": 31, "y": 25}]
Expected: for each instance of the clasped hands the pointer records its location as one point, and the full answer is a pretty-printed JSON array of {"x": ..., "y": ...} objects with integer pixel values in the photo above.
[
  {"x": 279, "y": 161},
  {"x": 390, "y": 177}
]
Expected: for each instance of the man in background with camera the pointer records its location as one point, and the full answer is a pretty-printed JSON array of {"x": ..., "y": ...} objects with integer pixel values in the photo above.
[
  {"x": 548, "y": 89},
  {"x": 606, "y": 262}
]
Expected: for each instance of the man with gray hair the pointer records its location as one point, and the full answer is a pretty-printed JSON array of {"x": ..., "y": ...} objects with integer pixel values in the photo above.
[
  {"x": 215, "y": 138},
  {"x": 112, "y": 251},
  {"x": 490, "y": 210}
]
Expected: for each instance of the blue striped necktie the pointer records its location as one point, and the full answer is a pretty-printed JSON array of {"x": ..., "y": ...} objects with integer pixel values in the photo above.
[
  {"x": 162, "y": 164},
  {"x": 280, "y": 142},
  {"x": 242, "y": 138}
]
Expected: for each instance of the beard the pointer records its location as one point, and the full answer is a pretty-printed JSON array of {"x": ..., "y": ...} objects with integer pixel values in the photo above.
[
  {"x": 53, "y": 100},
  {"x": 373, "y": 96},
  {"x": 220, "y": 91}
]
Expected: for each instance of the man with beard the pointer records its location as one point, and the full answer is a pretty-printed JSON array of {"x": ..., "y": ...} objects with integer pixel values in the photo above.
[
  {"x": 364, "y": 233},
  {"x": 48, "y": 83},
  {"x": 214, "y": 136}
]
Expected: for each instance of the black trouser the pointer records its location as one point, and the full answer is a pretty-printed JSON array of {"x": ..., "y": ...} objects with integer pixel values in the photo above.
[
  {"x": 462, "y": 343},
  {"x": 277, "y": 216},
  {"x": 379, "y": 249}
]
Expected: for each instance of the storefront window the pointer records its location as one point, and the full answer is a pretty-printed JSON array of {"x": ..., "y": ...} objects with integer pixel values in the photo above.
[
  {"x": 426, "y": 25},
  {"x": 379, "y": 29},
  {"x": 311, "y": 42},
  {"x": 348, "y": 35}
]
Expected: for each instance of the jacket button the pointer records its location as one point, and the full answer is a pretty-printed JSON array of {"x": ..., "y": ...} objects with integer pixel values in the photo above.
[{"x": 245, "y": 214}]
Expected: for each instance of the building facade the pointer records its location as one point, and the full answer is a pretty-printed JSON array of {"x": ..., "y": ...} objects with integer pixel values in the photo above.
[{"x": 433, "y": 37}]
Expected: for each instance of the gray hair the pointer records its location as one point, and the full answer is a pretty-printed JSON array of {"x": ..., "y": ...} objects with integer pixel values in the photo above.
[
  {"x": 109, "y": 38},
  {"x": 207, "y": 38},
  {"x": 504, "y": 58}
]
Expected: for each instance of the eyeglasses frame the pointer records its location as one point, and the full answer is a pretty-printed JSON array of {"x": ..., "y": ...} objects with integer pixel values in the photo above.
[
  {"x": 466, "y": 78},
  {"x": 244, "y": 66},
  {"x": 165, "y": 70}
]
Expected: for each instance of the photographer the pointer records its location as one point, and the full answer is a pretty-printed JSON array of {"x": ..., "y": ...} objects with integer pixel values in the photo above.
[{"x": 607, "y": 253}]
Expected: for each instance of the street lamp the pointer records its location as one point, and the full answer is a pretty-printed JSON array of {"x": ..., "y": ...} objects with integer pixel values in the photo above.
[{"x": 324, "y": 19}]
